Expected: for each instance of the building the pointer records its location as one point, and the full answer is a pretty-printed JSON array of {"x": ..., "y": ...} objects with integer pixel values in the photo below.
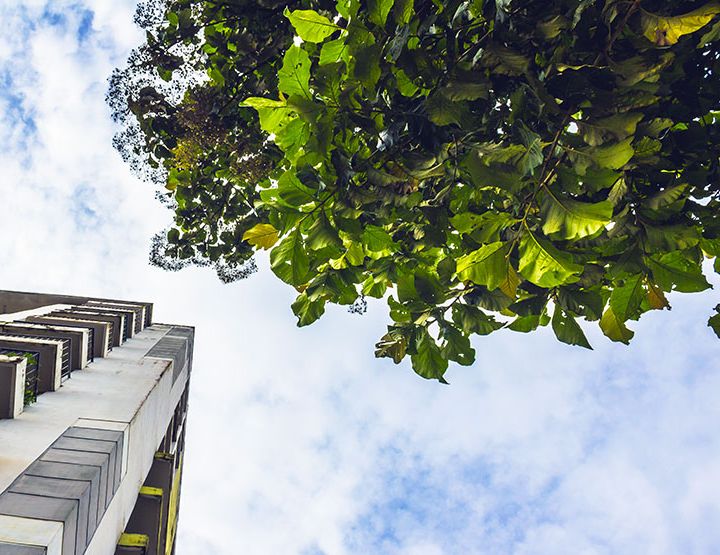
[{"x": 93, "y": 399}]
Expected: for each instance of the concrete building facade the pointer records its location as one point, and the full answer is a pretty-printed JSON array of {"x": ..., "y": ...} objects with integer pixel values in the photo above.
[{"x": 93, "y": 402}]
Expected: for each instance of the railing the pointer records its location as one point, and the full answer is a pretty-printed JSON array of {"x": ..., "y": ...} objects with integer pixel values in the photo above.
[
  {"x": 123, "y": 330},
  {"x": 91, "y": 344},
  {"x": 31, "y": 372},
  {"x": 65, "y": 367},
  {"x": 90, "y": 330}
]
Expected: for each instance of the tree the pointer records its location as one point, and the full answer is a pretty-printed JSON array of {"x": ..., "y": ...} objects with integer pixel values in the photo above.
[{"x": 480, "y": 164}]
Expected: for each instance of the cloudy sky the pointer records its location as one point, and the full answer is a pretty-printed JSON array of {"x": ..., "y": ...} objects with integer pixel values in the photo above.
[{"x": 300, "y": 442}]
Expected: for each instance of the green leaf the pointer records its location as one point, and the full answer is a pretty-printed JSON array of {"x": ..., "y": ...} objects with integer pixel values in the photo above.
[
  {"x": 428, "y": 361},
  {"x": 670, "y": 237},
  {"x": 618, "y": 191},
  {"x": 294, "y": 76},
  {"x": 289, "y": 261},
  {"x": 261, "y": 235},
  {"x": 428, "y": 287},
  {"x": 216, "y": 76},
  {"x": 618, "y": 127},
  {"x": 308, "y": 311},
  {"x": 484, "y": 266},
  {"x": 467, "y": 222},
  {"x": 405, "y": 85},
  {"x": 376, "y": 239},
  {"x": 505, "y": 60},
  {"x": 533, "y": 156},
  {"x": 526, "y": 324},
  {"x": 367, "y": 65},
  {"x": 379, "y": 10},
  {"x": 495, "y": 175},
  {"x": 666, "y": 31},
  {"x": 625, "y": 304},
  {"x": 572, "y": 219},
  {"x": 392, "y": 345},
  {"x": 292, "y": 190},
  {"x": 552, "y": 27},
  {"x": 711, "y": 36},
  {"x": 674, "y": 271},
  {"x": 671, "y": 197},
  {"x": 567, "y": 329},
  {"x": 348, "y": 8},
  {"x": 470, "y": 319},
  {"x": 456, "y": 345},
  {"x": 714, "y": 321},
  {"x": 374, "y": 287},
  {"x": 443, "y": 111},
  {"x": 310, "y": 25},
  {"x": 403, "y": 11},
  {"x": 543, "y": 264},
  {"x": 626, "y": 299},
  {"x": 333, "y": 51},
  {"x": 587, "y": 303},
  {"x": 615, "y": 328},
  {"x": 612, "y": 156},
  {"x": 321, "y": 234},
  {"x": 465, "y": 90}
]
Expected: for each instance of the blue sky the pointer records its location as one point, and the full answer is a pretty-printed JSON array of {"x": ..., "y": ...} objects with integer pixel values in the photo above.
[{"x": 300, "y": 441}]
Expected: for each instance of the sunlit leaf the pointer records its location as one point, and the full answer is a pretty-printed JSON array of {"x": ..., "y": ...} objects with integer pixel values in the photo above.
[
  {"x": 571, "y": 219},
  {"x": 310, "y": 25},
  {"x": 294, "y": 76},
  {"x": 543, "y": 264},
  {"x": 261, "y": 235},
  {"x": 666, "y": 31}
]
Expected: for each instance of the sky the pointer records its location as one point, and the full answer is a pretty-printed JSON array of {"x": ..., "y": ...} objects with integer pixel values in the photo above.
[{"x": 299, "y": 441}]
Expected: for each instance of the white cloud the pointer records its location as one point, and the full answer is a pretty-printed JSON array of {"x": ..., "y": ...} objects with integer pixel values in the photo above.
[{"x": 299, "y": 440}]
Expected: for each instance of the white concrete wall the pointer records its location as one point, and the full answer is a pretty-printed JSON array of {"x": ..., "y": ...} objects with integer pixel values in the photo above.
[{"x": 123, "y": 391}]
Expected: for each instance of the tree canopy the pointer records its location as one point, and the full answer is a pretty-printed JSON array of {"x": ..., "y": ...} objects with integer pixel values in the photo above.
[{"x": 479, "y": 164}]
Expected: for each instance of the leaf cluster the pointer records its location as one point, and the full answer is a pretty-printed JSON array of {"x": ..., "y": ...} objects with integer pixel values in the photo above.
[{"x": 481, "y": 165}]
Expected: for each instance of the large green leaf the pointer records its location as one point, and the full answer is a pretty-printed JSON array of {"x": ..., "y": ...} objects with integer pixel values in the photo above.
[
  {"x": 625, "y": 304},
  {"x": 617, "y": 127},
  {"x": 403, "y": 11},
  {"x": 675, "y": 271},
  {"x": 456, "y": 345},
  {"x": 543, "y": 264},
  {"x": 612, "y": 156},
  {"x": 470, "y": 319},
  {"x": 428, "y": 361},
  {"x": 333, "y": 51},
  {"x": 376, "y": 239},
  {"x": 567, "y": 329},
  {"x": 292, "y": 190},
  {"x": 310, "y": 25},
  {"x": 289, "y": 260},
  {"x": 484, "y": 266},
  {"x": 379, "y": 10},
  {"x": 443, "y": 111},
  {"x": 274, "y": 114},
  {"x": 308, "y": 310},
  {"x": 571, "y": 219},
  {"x": 614, "y": 327},
  {"x": 626, "y": 299},
  {"x": 294, "y": 76}
]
